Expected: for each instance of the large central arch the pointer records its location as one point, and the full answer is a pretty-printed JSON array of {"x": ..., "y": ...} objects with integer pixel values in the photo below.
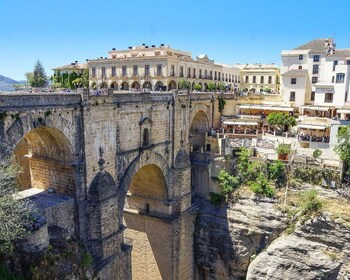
[{"x": 144, "y": 211}]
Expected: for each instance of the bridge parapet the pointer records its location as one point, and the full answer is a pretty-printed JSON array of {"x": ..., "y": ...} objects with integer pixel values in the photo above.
[{"x": 25, "y": 100}]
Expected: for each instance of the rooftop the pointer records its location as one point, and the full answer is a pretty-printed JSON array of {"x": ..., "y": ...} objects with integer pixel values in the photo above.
[
  {"x": 296, "y": 73},
  {"x": 317, "y": 45}
]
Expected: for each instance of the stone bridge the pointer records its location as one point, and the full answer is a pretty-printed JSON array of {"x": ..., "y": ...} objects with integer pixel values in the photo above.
[{"x": 115, "y": 168}]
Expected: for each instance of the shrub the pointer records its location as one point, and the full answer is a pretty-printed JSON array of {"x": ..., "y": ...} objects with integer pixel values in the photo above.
[
  {"x": 86, "y": 260},
  {"x": 227, "y": 182},
  {"x": 317, "y": 153},
  {"x": 216, "y": 198},
  {"x": 309, "y": 202},
  {"x": 262, "y": 187}
]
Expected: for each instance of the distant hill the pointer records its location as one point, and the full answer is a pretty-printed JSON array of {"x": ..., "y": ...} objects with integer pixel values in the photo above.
[{"x": 6, "y": 84}]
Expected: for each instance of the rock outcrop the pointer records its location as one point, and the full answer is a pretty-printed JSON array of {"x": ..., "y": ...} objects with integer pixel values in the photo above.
[
  {"x": 227, "y": 237},
  {"x": 319, "y": 249}
]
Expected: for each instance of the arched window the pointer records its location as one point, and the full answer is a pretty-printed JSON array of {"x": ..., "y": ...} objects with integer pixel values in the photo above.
[{"x": 145, "y": 137}]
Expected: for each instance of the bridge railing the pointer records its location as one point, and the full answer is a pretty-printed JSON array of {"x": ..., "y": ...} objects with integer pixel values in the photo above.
[{"x": 18, "y": 100}]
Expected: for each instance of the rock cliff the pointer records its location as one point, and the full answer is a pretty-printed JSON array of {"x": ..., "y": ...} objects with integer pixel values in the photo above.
[{"x": 246, "y": 239}]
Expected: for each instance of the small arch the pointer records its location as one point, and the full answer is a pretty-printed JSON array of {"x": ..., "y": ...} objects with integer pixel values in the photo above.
[
  {"x": 114, "y": 86},
  {"x": 172, "y": 85},
  {"x": 135, "y": 85},
  {"x": 205, "y": 87},
  {"x": 124, "y": 86},
  {"x": 147, "y": 86},
  {"x": 193, "y": 84},
  {"x": 199, "y": 128},
  {"x": 159, "y": 86},
  {"x": 104, "y": 85}
]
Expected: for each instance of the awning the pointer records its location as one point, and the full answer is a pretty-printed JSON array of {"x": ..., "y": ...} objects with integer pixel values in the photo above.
[
  {"x": 239, "y": 122},
  {"x": 312, "y": 126},
  {"x": 262, "y": 107},
  {"x": 345, "y": 111},
  {"x": 315, "y": 108}
]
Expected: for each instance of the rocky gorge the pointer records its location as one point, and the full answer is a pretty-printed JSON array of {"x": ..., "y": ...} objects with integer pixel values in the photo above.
[{"x": 251, "y": 238}]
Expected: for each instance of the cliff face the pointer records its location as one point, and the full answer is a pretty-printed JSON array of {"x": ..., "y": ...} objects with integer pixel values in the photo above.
[
  {"x": 228, "y": 237},
  {"x": 319, "y": 249},
  {"x": 247, "y": 240}
]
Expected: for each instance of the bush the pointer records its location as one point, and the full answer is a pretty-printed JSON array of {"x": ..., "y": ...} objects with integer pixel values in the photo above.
[
  {"x": 262, "y": 187},
  {"x": 216, "y": 198},
  {"x": 317, "y": 153},
  {"x": 15, "y": 213},
  {"x": 309, "y": 202},
  {"x": 227, "y": 182}
]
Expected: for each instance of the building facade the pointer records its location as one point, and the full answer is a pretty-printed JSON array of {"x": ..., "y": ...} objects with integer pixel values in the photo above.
[
  {"x": 260, "y": 77},
  {"x": 158, "y": 68}
]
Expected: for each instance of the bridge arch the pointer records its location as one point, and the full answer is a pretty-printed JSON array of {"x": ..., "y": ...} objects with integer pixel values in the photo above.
[
  {"x": 45, "y": 156},
  {"x": 146, "y": 189},
  {"x": 199, "y": 126}
]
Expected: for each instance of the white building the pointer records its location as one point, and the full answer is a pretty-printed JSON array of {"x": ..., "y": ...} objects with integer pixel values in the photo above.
[{"x": 315, "y": 79}]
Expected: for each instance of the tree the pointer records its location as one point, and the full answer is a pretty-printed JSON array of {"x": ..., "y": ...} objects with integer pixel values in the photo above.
[
  {"x": 227, "y": 182},
  {"x": 317, "y": 153},
  {"x": 221, "y": 86},
  {"x": 221, "y": 104},
  {"x": 39, "y": 78},
  {"x": 197, "y": 87},
  {"x": 29, "y": 77},
  {"x": 15, "y": 213},
  {"x": 211, "y": 86},
  {"x": 280, "y": 121},
  {"x": 183, "y": 84},
  {"x": 343, "y": 146},
  {"x": 85, "y": 78}
]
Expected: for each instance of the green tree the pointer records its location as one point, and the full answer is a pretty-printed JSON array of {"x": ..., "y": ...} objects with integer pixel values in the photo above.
[
  {"x": 85, "y": 78},
  {"x": 183, "y": 84},
  {"x": 227, "y": 182},
  {"x": 39, "y": 78},
  {"x": 211, "y": 86},
  {"x": 198, "y": 87},
  {"x": 14, "y": 213},
  {"x": 280, "y": 120},
  {"x": 29, "y": 77},
  {"x": 243, "y": 163},
  {"x": 317, "y": 153},
  {"x": 343, "y": 146},
  {"x": 221, "y": 104},
  {"x": 221, "y": 86},
  {"x": 262, "y": 187}
]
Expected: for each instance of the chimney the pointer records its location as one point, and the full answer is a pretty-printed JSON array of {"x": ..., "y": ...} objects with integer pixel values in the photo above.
[
  {"x": 130, "y": 48},
  {"x": 153, "y": 46},
  {"x": 113, "y": 49}
]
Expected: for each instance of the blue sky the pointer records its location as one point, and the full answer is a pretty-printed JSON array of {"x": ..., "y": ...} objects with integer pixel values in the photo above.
[{"x": 246, "y": 31}]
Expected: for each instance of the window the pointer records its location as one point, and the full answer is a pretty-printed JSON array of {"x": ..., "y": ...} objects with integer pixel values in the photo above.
[
  {"x": 292, "y": 96},
  {"x": 188, "y": 72},
  {"x": 328, "y": 97},
  {"x": 348, "y": 62},
  {"x": 146, "y": 70},
  {"x": 219, "y": 74},
  {"x": 335, "y": 63},
  {"x": 246, "y": 79},
  {"x": 135, "y": 70},
  {"x": 113, "y": 71},
  {"x": 300, "y": 67},
  {"x": 123, "y": 71},
  {"x": 314, "y": 80},
  {"x": 254, "y": 79},
  {"x": 312, "y": 96},
  {"x": 215, "y": 74},
  {"x": 316, "y": 58},
  {"x": 103, "y": 72},
  {"x": 315, "y": 69},
  {"x": 200, "y": 73},
  {"x": 211, "y": 75},
  {"x": 145, "y": 138},
  {"x": 293, "y": 81},
  {"x": 181, "y": 71},
  {"x": 172, "y": 70},
  {"x": 261, "y": 79},
  {"x": 205, "y": 74},
  {"x": 93, "y": 72},
  {"x": 194, "y": 73},
  {"x": 159, "y": 70},
  {"x": 339, "y": 78},
  {"x": 270, "y": 79},
  {"x": 301, "y": 57},
  {"x": 332, "y": 79}
]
